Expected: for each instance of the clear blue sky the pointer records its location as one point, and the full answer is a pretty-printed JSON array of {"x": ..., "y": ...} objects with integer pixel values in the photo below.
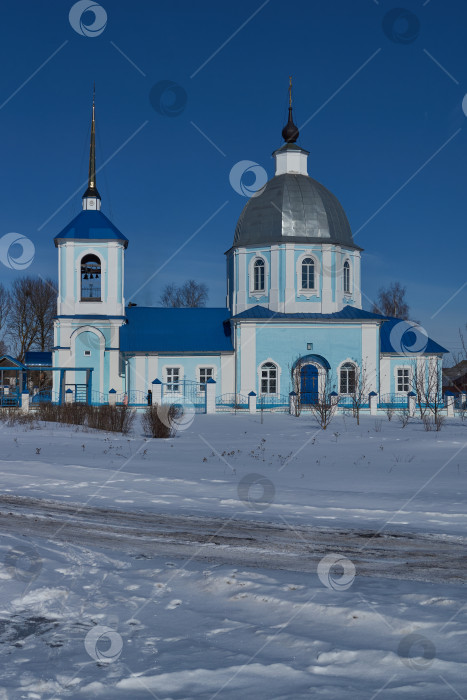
[{"x": 366, "y": 141}]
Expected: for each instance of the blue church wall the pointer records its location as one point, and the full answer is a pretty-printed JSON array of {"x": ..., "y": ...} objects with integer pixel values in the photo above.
[{"x": 284, "y": 344}]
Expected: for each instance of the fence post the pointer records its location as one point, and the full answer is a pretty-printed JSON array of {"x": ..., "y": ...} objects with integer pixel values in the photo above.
[
  {"x": 157, "y": 392},
  {"x": 25, "y": 401},
  {"x": 112, "y": 397},
  {"x": 334, "y": 398},
  {"x": 69, "y": 396},
  {"x": 293, "y": 403},
  {"x": 252, "y": 402},
  {"x": 449, "y": 400},
  {"x": 211, "y": 395},
  {"x": 411, "y": 403},
  {"x": 463, "y": 399},
  {"x": 373, "y": 398}
]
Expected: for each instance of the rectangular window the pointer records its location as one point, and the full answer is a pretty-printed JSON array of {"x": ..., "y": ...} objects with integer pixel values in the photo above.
[
  {"x": 173, "y": 378},
  {"x": 87, "y": 353},
  {"x": 403, "y": 380},
  {"x": 205, "y": 373}
]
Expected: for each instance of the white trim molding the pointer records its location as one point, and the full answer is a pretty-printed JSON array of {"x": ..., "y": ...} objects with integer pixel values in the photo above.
[{"x": 308, "y": 293}]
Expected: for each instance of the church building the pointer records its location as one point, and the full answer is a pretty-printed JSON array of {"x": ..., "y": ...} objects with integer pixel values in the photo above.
[{"x": 293, "y": 319}]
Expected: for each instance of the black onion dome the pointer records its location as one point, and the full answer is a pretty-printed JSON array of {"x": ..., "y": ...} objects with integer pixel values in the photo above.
[{"x": 290, "y": 132}]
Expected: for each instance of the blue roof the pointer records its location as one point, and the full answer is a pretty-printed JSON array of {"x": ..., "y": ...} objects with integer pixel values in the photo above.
[
  {"x": 348, "y": 312},
  {"x": 407, "y": 338},
  {"x": 38, "y": 358},
  {"x": 152, "y": 329},
  {"x": 92, "y": 225}
]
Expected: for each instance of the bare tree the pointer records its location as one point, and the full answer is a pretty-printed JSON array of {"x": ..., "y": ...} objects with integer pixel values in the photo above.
[
  {"x": 360, "y": 392},
  {"x": 30, "y": 320},
  {"x": 191, "y": 294},
  {"x": 391, "y": 302},
  {"x": 427, "y": 386},
  {"x": 44, "y": 306},
  {"x": 325, "y": 407}
]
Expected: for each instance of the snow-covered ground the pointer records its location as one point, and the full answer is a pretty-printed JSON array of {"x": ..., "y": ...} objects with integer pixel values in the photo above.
[{"x": 238, "y": 559}]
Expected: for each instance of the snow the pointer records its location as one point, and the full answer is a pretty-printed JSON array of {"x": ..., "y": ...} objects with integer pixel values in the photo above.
[{"x": 198, "y": 567}]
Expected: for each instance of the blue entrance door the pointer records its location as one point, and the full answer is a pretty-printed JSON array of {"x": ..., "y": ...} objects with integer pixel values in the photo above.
[{"x": 309, "y": 384}]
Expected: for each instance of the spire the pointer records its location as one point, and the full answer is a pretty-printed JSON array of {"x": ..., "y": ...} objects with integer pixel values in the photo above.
[
  {"x": 91, "y": 198},
  {"x": 290, "y": 132}
]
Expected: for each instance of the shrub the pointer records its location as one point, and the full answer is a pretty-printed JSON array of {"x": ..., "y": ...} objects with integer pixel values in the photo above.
[
  {"x": 117, "y": 419},
  {"x": 404, "y": 417},
  {"x": 159, "y": 420}
]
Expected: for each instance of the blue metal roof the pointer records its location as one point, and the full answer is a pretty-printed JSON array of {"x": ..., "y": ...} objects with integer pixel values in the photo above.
[
  {"x": 408, "y": 338},
  {"x": 38, "y": 358},
  {"x": 152, "y": 329},
  {"x": 92, "y": 225},
  {"x": 348, "y": 312}
]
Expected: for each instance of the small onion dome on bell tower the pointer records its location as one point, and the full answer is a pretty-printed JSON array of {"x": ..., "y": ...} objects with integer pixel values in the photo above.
[
  {"x": 92, "y": 198},
  {"x": 290, "y": 132}
]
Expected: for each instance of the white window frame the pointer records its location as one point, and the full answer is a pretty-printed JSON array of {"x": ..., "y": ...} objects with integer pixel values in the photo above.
[
  {"x": 278, "y": 377},
  {"x": 171, "y": 382},
  {"x": 202, "y": 368},
  {"x": 407, "y": 369},
  {"x": 258, "y": 293},
  {"x": 340, "y": 368},
  {"x": 313, "y": 292}
]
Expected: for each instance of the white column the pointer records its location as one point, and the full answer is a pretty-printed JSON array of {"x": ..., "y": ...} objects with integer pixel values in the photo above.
[
  {"x": 449, "y": 398},
  {"x": 112, "y": 397},
  {"x": 370, "y": 355},
  {"x": 252, "y": 402},
  {"x": 68, "y": 396},
  {"x": 373, "y": 404},
  {"x": 25, "y": 401},
  {"x": 411, "y": 403},
  {"x": 327, "y": 280},
  {"x": 210, "y": 396},
  {"x": 242, "y": 281},
  {"x": 274, "y": 291},
  {"x": 290, "y": 293},
  {"x": 157, "y": 392},
  {"x": 247, "y": 357}
]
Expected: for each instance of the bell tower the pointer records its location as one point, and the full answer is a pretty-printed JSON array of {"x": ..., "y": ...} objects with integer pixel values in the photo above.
[{"x": 90, "y": 302}]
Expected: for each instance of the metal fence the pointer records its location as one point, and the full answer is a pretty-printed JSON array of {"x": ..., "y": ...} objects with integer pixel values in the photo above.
[
  {"x": 232, "y": 402},
  {"x": 278, "y": 403}
]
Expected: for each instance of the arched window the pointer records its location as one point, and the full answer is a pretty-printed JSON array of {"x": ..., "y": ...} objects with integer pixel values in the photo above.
[
  {"x": 347, "y": 381},
  {"x": 347, "y": 277},
  {"x": 258, "y": 276},
  {"x": 268, "y": 378},
  {"x": 90, "y": 278},
  {"x": 308, "y": 273}
]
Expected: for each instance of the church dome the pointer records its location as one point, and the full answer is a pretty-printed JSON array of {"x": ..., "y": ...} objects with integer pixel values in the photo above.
[{"x": 293, "y": 208}]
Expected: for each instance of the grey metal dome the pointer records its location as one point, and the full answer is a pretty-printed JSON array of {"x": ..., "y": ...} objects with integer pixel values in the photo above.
[{"x": 293, "y": 209}]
